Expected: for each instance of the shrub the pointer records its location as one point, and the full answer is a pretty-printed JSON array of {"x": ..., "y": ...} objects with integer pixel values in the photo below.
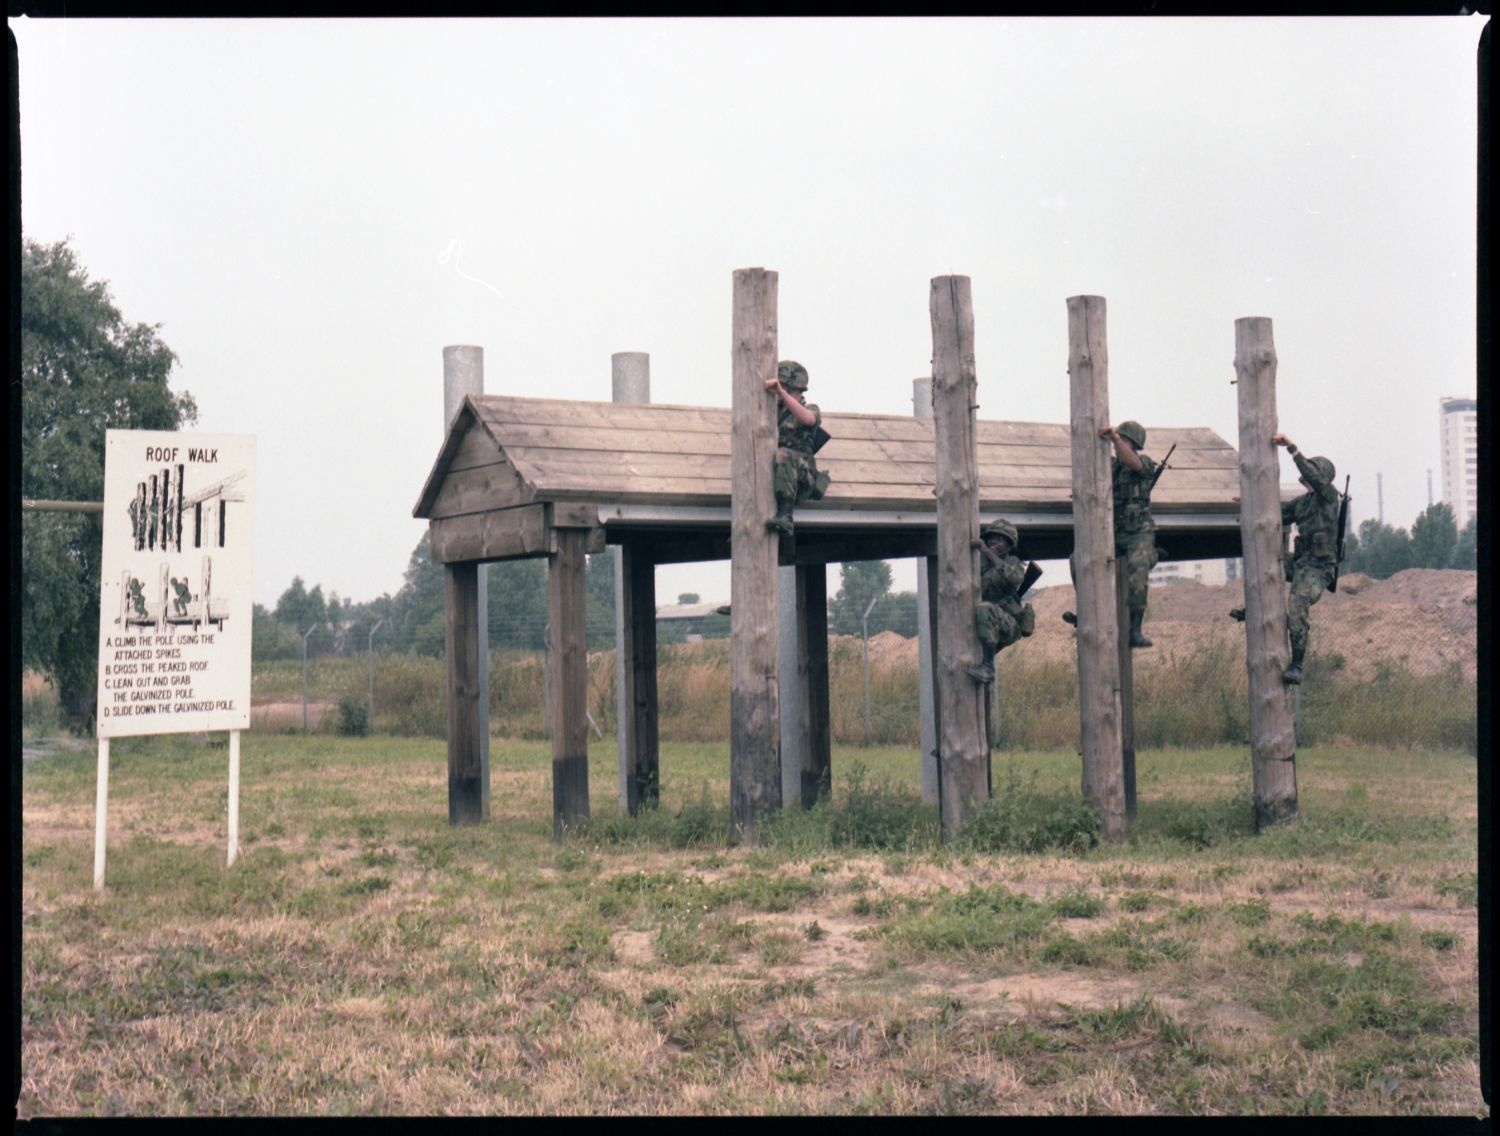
[{"x": 354, "y": 718}]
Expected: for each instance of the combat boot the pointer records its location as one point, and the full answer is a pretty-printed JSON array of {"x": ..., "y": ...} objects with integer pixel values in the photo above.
[
  {"x": 984, "y": 673},
  {"x": 1237, "y": 614},
  {"x": 1070, "y": 619},
  {"x": 1292, "y": 676},
  {"x": 1136, "y": 638},
  {"x": 782, "y": 521}
]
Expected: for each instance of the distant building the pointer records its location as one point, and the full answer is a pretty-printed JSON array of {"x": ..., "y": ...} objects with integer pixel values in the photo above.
[
  {"x": 692, "y": 618},
  {"x": 1458, "y": 428},
  {"x": 1195, "y": 572}
]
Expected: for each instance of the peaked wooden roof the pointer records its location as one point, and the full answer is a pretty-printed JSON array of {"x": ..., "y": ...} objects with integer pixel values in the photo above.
[{"x": 503, "y": 451}]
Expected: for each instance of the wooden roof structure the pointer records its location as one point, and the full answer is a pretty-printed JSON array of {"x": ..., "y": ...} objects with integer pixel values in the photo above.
[{"x": 657, "y": 476}]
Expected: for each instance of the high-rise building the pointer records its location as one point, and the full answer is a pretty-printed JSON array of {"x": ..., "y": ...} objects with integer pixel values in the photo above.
[{"x": 1460, "y": 456}]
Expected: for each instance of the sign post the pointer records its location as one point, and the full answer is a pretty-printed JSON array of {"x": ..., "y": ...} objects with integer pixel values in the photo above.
[{"x": 175, "y": 602}]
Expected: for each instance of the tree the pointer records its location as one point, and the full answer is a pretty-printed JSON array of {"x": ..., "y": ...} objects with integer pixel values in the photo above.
[
  {"x": 1466, "y": 551},
  {"x": 1380, "y": 551},
  {"x": 860, "y": 582},
  {"x": 84, "y": 370},
  {"x": 1434, "y": 537}
]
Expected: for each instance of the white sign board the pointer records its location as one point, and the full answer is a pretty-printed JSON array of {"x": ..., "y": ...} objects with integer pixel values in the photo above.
[{"x": 175, "y": 604}]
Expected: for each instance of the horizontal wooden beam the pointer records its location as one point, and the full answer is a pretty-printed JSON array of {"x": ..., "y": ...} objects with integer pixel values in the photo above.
[{"x": 501, "y": 534}]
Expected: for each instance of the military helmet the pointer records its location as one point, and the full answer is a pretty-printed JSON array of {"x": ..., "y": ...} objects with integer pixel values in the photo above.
[
  {"x": 1133, "y": 430},
  {"x": 1004, "y": 528},
  {"x": 793, "y": 376},
  {"x": 1325, "y": 467}
]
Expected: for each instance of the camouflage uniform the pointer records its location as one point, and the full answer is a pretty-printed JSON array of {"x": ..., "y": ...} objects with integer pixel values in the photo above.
[
  {"x": 1135, "y": 531},
  {"x": 1000, "y": 618},
  {"x": 1315, "y": 554},
  {"x": 183, "y": 596},
  {"x": 795, "y": 476}
]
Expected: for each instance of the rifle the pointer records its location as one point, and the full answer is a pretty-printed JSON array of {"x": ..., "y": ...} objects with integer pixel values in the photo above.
[
  {"x": 1161, "y": 469},
  {"x": 1033, "y": 574},
  {"x": 1343, "y": 525}
]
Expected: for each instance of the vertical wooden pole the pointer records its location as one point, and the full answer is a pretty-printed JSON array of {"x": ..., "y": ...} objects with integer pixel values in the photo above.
[
  {"x": 234, "y": 796},
  {"x": 630, "y": 382},
  {"x": 921, "y": 403},
  {"x": 930, "y": 577},
  {"x": 1273, "y": 743},
  {"x": 816, "y": 781},
  {"x": 964, "y": 770},
  {"x": 463, "y": 375},
  {"x": 791, "y": 679},
  {"x": 101, "y": 812},
  {"x": 570, "y": 680},
  {"x": 754, "y": 713},
  {"x": 1127, "y": 686},
  {"x": 1094, "y": 565},
  {"x": 641, "y": 763},
  {"x": 461, "y": 648}
]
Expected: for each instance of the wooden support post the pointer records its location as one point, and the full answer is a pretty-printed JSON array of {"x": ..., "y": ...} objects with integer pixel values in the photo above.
[
  {"x": 930, "y": 578},
  {"x": 754, "y": 712},
  {"x": 1127, "y": 687},
  {"x": 1273, "y": 743},
  {"x": 569, "y": 667},
  {"x": 791, "y": 678},
  {"x": 921, "y": 402},
  {"x": 816, "y": 781},
  {"x": 461, "y": 641},
  {"x": 964, "y": 754},
  {"x": 1094, "y": 565},
  {"x": 640, "y": 762}
]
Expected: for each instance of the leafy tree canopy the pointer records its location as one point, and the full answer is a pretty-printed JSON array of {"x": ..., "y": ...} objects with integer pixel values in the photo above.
[{"x": 84, "y": 370}]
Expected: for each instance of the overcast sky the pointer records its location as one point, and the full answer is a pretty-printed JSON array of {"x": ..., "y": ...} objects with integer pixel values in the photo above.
[{"x": 313, "y": 209}]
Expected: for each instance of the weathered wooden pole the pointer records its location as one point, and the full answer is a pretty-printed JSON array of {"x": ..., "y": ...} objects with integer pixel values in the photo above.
[
  {"x": 635, "y": 629},
  {"x": 806, "y": 751},
  {"x": 568, "y": 664},
  {"x": 963, "y": 752},
  {"x": 754, "y": 711},
  {"x": 465, "y": 722},
  {"x": 1094, "y": 565},
  {"x": 921, "y": 405},
  {"x": 463, "y": 375},
  {"x": 1273, "y": 743}
]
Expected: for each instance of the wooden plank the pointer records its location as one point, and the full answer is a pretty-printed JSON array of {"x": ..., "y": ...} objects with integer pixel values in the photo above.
[
  {"x": 505, "y": 534},
  {"x": 496, "y": 486},
  {"x": 475, "y": 447},
  {"x": 1094, "y": 565},
  {"x": 461, "y": 641},
  {"x": 568, "y": 663},
  {"x": 1273, "y": 742},
  {"x": 754, "y": 714},
  {"x": 961, "y": 742}
]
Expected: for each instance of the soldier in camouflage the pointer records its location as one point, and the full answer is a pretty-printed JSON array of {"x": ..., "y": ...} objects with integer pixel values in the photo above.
[
  {"x": 1314, "y": 562},
  {"x": 1131, "y": 475},
  {"x": 796, "y": 476},
  {"x": 1000, "y": 617}
]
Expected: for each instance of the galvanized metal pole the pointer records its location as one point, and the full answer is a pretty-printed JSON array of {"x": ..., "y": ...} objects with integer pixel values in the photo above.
[
  {"x": 305, "y": 634},
  {"x": 463, "y": 374},
  {"x": 630, "y": 381}
]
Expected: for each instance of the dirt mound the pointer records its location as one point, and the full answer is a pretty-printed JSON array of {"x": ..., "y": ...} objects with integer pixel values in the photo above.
[{"x": 1421, "y": 620}]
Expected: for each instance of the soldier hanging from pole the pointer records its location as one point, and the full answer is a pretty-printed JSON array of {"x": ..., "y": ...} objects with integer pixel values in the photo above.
[
  {"x": 1000, "y": 617},
  {"x": 799, "y": 436},
  {"x": 1320, "y": 515}
]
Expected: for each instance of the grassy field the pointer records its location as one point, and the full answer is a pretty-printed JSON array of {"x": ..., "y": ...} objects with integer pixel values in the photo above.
[{"x": 363, "y": 957}]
